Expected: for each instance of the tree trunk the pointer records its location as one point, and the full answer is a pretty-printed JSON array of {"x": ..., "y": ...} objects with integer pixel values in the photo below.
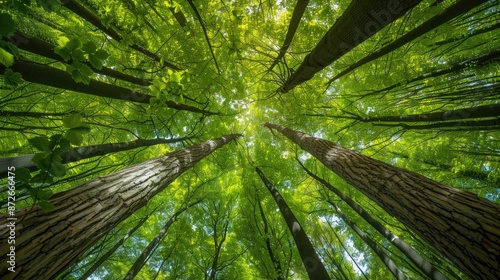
[
  {"x": 314, "y": 267},
  {"x": 146, "y": 253},
  {"x": 460, "y": 7},
  {"x": 76, "y": 154},
  {"x": 47, "y": 243},
  {"x": 81, "y": 11},
  {"x": 37, "y": 46},
  {"x": 297, "y": 13},
  {"x": 360, "y": 21},
  {"x": 427, "y": 268},
  {"x": 117, "y": 245},
  {"x": 460, "y": 225},
  {"x": 45, "y": 75},
  {"x": 389, "y": 263}
]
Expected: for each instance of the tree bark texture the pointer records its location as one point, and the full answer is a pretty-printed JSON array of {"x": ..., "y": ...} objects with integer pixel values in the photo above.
[
  {"x": 361, "y": 20},
  {"x": 76, "y": 154},
  {"x": 460, "y": 7},
  {"x": 314, "y": 267},
  {"x": 461, "y": 226},
  {"x": 49, "y": 242},
  {"x": 427, "y": 268},
  {"x": 50, "y": 76}
]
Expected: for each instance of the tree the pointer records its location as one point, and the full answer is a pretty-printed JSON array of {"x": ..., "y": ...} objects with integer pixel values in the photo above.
[
  {"x": 468, "y": 236},
  {"x": 359, "y": 22},
  {"x": 314, "y": 266},
  {"x": 66, "y": 232}
]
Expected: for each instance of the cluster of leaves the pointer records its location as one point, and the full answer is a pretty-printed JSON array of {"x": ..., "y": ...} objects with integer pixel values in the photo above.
[
  {"x": 8, "y": 52},
  {"x": 78, "y": 54}
]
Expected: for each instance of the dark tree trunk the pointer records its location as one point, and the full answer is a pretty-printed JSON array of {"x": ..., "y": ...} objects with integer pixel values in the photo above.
[
  {"x": 48, "y": 243},
  {"x": 427, "y": 268},
  {"x": 81, "y": 11},
  {"x": 460, "y": 225},
  {"x": 146, "y": 253},
  {"x": 76, "y": 154},
  {"x": 45, "y": 75},
  {"x": 460, "y": 7},
  {"x": 297, "y": 13},
  {"x": 314, "y": 267},
  {"x": 361, "y": 20},
  {"x": 37, "y": 46}
]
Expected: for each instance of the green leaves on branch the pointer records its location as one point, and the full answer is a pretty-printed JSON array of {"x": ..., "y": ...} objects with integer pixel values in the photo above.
[
  {"x": 76, "y": 129},
  {"x": 80, "y": 54}
]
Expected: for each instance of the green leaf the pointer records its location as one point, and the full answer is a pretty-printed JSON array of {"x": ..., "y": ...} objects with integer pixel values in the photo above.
[
  {"x": 57, "y": 169},
  {"x": 42, "y": 161},
  {"x": 54, "y": 140},
  {"x": 41, "y": 143},
  {"x": 94, "y": 61},
  {"x": 89, "y": 47},
  {"x": 23, "y": 175},
  {"x": 7, "y": 25},
  {"x": 43, "y": 194},
  {"x": 102, "y": 54},
  {"x": 6, "y": 58},
  {"x": 83, "y": 129},
  {"x": 78, "y": 55},
  {"x": 74, "y": 137},
  {"x": 11, "y": 78},
  {"x": 73, "y": 120},
  {"x": 65, "y": 145},
  {"x": 45, "y": 205}
]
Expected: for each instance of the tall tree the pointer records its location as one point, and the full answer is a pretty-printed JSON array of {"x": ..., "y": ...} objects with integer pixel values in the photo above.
[
  {"x": 76, "y": 222},
  {"x": 359, "y": 22},
  {"x": 459, "y": 225},
  {"x": 312, "y": 262}
]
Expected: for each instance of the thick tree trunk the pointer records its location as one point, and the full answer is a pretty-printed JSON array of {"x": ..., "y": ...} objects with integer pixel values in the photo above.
[
  {"x": 37, "y": 46},
  {"x": 389, "y": 263},
  {"x": 460, "y": 7},
  {"x": 81, "y": 11},
  {"x": 297, "y": 13},
  {"x": 117, "y": 245},
  {"x": 314, "y": 267},
  {"x": 47, "y": 243},
  {"x": 45, "y": 75},
  {"x": 460, "y": 225},
  {"x": 76, "y": 154},
  {"x": 146, "y": 253},
  {"x": 427, "y": 268},
  {"x": 361, "y": 20}
]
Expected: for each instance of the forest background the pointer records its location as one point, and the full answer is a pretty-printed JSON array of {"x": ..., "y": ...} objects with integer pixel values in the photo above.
[{"x": 158, "y": 76}]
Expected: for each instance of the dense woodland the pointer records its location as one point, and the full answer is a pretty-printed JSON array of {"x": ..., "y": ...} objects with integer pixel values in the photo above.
[{"x": 289, "y": 139}]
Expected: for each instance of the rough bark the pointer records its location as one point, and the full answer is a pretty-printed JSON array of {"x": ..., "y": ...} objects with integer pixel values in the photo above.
[
  {"x": 37, "y": 46},
  {"x": 460, "y": 7},
  {"x": 115, "y": 247},
  {"x": 76, "y": 154},
  {"x": 45, "y": 75},
  {"x": 427, "y": 268},
  {"x": 361, "y": 20},
  {"x": 459, "y": 225},
  {"x": 314, "y": 267},
  {"x": 297, "y": 13},
  {"x": 48, "y": 243},
  {"x": 81, "y": 11},
  {"x": 146, "y": 253}
]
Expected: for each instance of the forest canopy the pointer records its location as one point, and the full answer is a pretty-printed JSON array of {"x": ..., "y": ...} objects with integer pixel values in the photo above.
[{"x": 94, "y": 93}]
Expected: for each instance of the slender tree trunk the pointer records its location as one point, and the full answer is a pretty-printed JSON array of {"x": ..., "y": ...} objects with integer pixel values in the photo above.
[
  {"x": 48, "y": 243},
  {"x": 267, "y": 234},
  {"x": 389, "y": 263},
  {"x": 37, "y": 46},
  {"x": 45, "y": 75},
  {"x": 427, "y": 268},
  {"x": 314, "y": 267},
  {"x": 460, "y": 225},
  {"x": 361, "y": 20},
  {"x": 460, "y": 7},
  {"x": 469, "y": 35},
  {"x": 297, "y": 13},
  {"x": 81, "y": 11},
  {"x": 146, "y": 253},
  {"x": 466, "y": 125},
  {"x": 76, "y": 154},
  {"x": 117, "y": 245}
]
